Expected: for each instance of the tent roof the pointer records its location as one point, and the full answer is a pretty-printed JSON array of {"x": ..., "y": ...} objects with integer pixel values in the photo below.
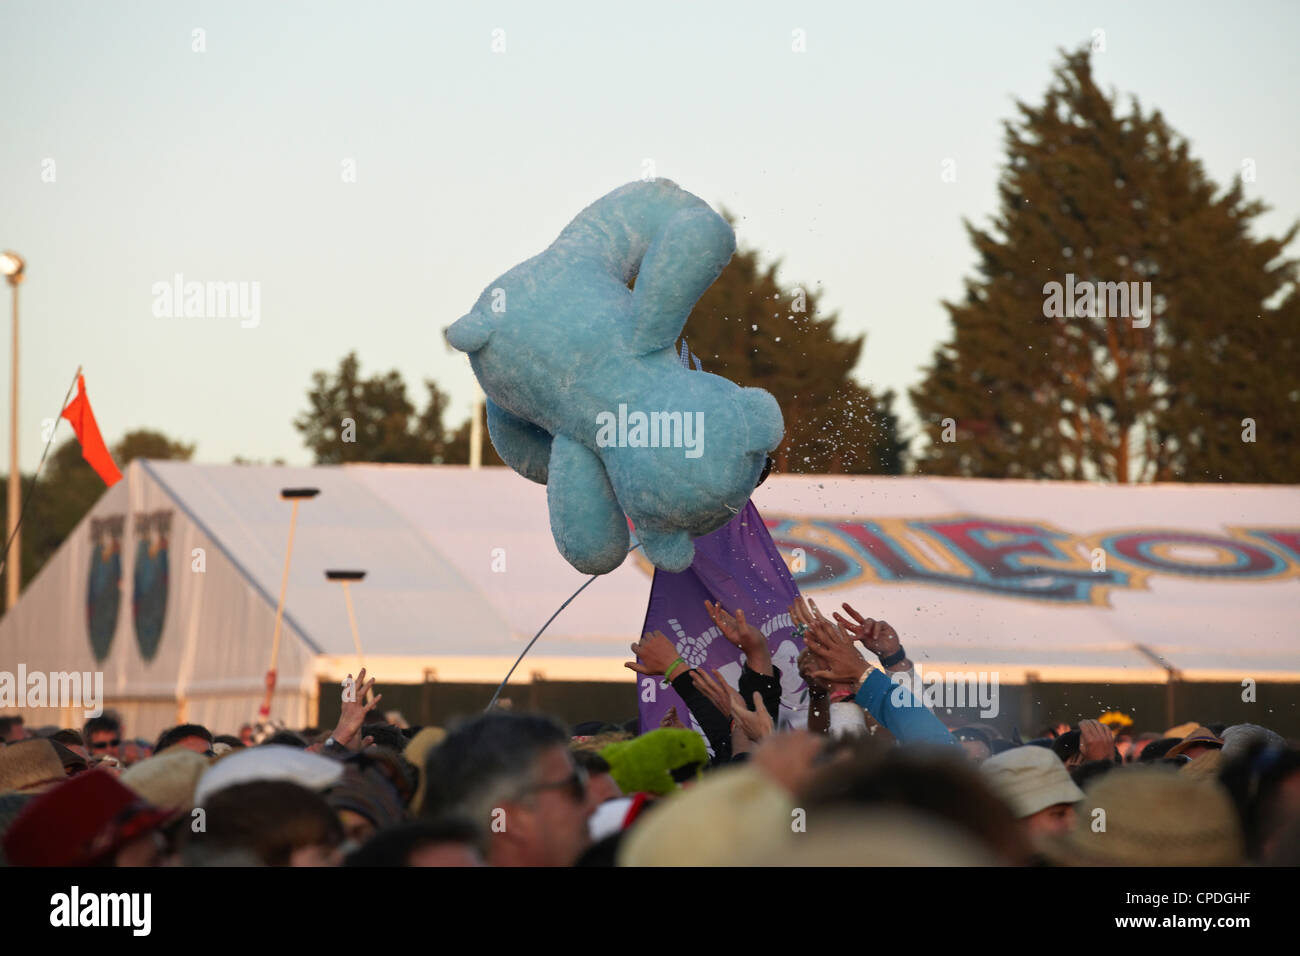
[
  {"x": 461, "y": 566},
  {"x": 975, "y": 575}
]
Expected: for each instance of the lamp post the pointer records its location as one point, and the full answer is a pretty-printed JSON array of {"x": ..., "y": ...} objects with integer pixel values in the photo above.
[
  {"x": 12, "y": 266},
  {"x": 346, "y": 578},
  {"x": 295, "y": 495}
]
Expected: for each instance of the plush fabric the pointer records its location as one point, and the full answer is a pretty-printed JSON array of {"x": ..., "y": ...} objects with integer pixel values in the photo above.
[
  {"x": 646, "y": 764},
  {"x": 577, "y": 366}
]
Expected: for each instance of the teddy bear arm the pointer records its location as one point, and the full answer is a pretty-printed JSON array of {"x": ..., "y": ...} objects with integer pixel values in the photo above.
[
  {"x": 523, "y": 446},
  {"x": 670, "y": 550},
  {"x": 586, "y": 520}
]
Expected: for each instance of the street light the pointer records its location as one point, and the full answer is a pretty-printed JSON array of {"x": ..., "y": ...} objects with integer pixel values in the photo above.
[
  {"x": 12, "y": 266},
  {"x": 346, "y": 578},
  {"x": 295, "y": 495}
]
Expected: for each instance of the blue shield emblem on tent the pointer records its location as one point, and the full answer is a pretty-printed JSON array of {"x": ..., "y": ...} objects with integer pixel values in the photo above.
[
  {"x": 104, "y": 584},
  {"x": 149, "y": 595}
]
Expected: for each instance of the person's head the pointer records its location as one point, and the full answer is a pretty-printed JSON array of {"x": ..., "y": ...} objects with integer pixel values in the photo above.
[
  {"x": 286, "y": 738},
  {"x": 976, "y": 742},
  {"x": 513, "y": 776},
  {"x": 385, "y": 735},
  {"x": 1156, "y": 750},
  {"x": 1036, "y": 786},
  {"x": 72, "y": 740},
  {"x": 1139, "y": 746},
  {"x": 1264, "y": 782},
  {"x": 1201, "y": 740},
  {"x": 246, "y": 735},
  {"x": 230, "y": 740},
  {"x": 11, "y": 729},
  {"x": 600, "y": 782},
  {"x": 280, "y": 823},
  {"x": 133, "y": 751},
  {"x": 74, "y": 762},
  {"x": 103, "y": 735},
  {"x": 446, "y": 842},
  {"x": 1066, "y": 748},
  {"x": 190, "y": 736},
  {"x": 1144, "y": 815},
  {"x": 934, "y": 783}
]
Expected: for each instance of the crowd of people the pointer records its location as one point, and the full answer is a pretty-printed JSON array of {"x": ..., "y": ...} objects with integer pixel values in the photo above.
[{"x": 873, "y": 778}]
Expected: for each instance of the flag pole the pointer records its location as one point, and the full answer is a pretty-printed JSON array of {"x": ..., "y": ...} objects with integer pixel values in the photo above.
[{"x": 4, "y": 560}]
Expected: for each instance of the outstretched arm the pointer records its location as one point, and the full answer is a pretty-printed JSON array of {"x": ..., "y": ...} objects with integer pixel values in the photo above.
[{"x": 895, "y": 707}]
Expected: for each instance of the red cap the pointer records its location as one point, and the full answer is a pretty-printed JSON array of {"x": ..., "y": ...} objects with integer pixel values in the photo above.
[{"x": 80, "y": 822}]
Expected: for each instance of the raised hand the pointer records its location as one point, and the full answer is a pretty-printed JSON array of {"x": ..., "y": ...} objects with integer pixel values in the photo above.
[
  {"x": 756, "y": 723},
  {"x": 842, "y": 662},
  {"x": 671, "y": 719},
  {"x": 714, "y": 688},
  {"x": 1096, "y": 742},
  {"x": 655, "y": 655},
  {"x": 876, "y": 636},
  {"x": 735, "y": 628},
  {"x": 355, "y": 707},
  {"x": 744, "y": 635}
]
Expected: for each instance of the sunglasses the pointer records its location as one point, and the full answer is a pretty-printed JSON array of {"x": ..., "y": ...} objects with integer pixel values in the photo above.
[
  {"x": 576, "y": 783},
  {"x": 105, "y": 744}
]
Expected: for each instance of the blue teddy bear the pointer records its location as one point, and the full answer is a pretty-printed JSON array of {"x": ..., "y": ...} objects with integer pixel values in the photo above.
[{"x": 585, "y": 391}]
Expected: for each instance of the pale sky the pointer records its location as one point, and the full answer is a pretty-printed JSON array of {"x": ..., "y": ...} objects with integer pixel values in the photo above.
[{"x": 225, "y": 165}]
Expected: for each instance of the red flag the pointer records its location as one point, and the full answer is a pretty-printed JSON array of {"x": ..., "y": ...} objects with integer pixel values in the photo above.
[{"x": 93, "y": 448}]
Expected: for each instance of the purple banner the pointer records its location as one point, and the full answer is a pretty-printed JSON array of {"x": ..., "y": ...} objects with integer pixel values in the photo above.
[{"x": 737, "y": 566}]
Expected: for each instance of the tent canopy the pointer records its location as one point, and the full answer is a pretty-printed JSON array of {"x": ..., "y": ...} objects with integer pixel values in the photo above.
[{"x": 169, "y": 585}]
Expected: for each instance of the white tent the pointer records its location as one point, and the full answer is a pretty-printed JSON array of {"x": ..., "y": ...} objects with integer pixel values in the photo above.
[{"x": 175, "y": 574}]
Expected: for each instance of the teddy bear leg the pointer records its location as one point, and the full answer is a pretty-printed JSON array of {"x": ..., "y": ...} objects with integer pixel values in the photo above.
[
  {"x": 522, "y": 445},
  {"x": 680, "y": 264},
  {"x": 586, "y": 520},
  {"x": 672, "y": 550}
]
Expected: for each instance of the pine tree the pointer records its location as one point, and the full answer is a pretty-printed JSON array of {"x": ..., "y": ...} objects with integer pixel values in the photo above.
[
  {"x": 1092, "y": 197},
  {"x": 747, "y": 328}
]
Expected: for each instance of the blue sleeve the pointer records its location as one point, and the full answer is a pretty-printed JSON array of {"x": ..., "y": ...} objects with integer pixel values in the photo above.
[{"x": 897, "y": 710}]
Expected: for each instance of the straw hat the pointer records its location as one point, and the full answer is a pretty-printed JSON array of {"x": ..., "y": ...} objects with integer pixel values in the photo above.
[
  {"x": 30, "y": 766},
  {"x": 168, "y": 779},
  {"x": 1197, "y": 737},
  {"x": 874, "y": 836},
  {"x": 734, "y": 810},
  {"x": 1154, "y": 816}
]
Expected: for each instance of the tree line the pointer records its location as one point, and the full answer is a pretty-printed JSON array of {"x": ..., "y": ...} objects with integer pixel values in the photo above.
[{"x": 1125, "y": 323}]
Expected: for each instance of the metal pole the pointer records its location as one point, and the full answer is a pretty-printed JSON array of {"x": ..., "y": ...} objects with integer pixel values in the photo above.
[
  {"x": 352, "y": 619},
  {"x": 356, "y": 637},
  {"x": 13, "y": 574},
  {"x": 476, "y": 433}
]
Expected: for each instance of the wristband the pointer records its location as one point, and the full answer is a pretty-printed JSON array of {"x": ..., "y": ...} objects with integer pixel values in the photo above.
[
  {"x": 666, "y": 683},
  {"x": 894, "y": 658},
  {"x": 857, "y": 686}
]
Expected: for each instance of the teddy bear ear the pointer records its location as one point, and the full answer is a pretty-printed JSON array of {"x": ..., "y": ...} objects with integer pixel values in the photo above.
[
  {"x": 763, "y": 420},
  {"x": 469, "y": 333}
]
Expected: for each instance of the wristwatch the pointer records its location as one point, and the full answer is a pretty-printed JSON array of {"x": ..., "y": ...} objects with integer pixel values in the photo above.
[{"x": 894, "y": 658}]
